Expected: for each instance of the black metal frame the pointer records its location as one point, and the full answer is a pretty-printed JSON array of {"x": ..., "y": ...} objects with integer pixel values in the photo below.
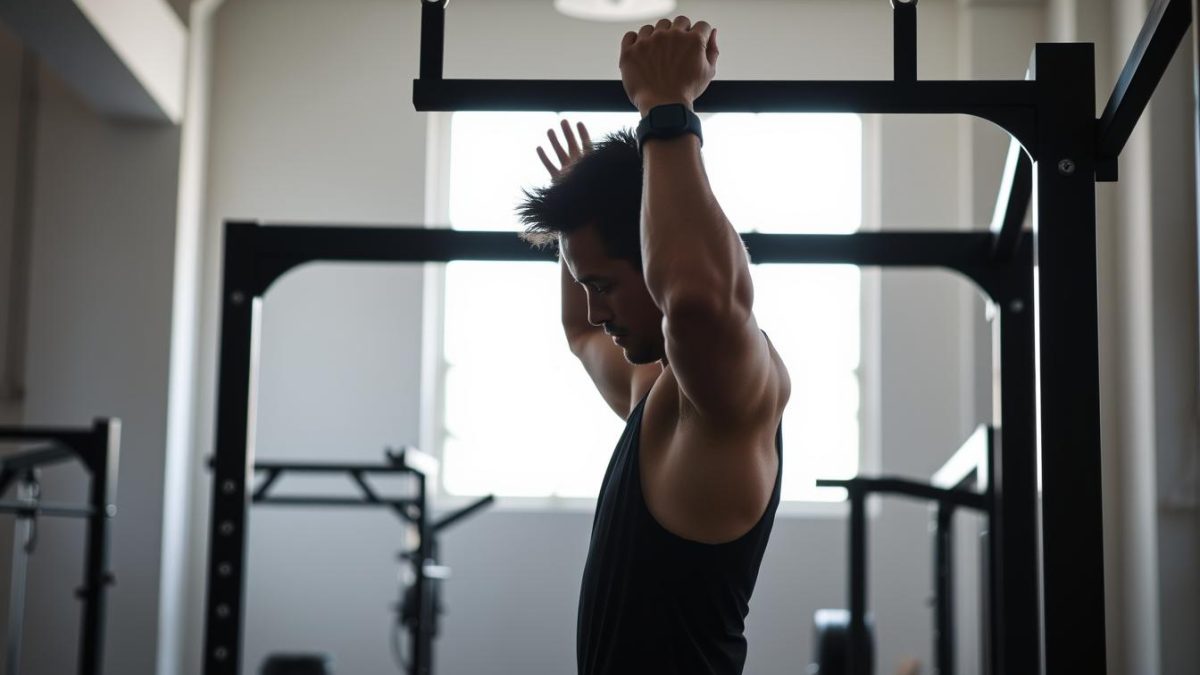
[
  {"x": 413, "y": 509},
  {"x": 963, "y": 482},
  {"x": 1050, "y": 115},
  {"x": 98, "y": 450}
]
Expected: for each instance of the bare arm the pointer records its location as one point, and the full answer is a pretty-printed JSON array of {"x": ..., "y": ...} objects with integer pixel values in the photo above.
[
  {"x": 618, "y": 381},
  {"x": 694, "y": 262}
]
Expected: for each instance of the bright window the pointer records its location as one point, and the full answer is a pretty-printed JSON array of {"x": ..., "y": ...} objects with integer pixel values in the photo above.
[{"x": 520, "y": 416}]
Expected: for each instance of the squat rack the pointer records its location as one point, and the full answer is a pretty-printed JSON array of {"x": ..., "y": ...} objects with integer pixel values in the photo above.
[
  {"x": 1049, "y": 419},
  {"x": 97, "y": 449}
]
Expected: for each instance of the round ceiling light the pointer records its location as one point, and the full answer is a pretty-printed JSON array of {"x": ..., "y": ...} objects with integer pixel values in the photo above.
[{"x": 615, "y": 10}]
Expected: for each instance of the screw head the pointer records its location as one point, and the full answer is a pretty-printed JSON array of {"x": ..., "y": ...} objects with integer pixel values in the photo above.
[
  {"x": 237, "y": 297},
  {"x": 229, "y": 487},
  {"x": 226, "y": 528},
  {"x": 220, "y": 653},
  {"x": 1066, "y": 167},
  {"x": 224, "y": 569},
  {"x": 222, "y": 611},
  {"x": 1016, "y": 306}
]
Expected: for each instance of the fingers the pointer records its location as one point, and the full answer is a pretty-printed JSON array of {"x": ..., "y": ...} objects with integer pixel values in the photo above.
[
  {"x": 547, "y": 163},
  {"x": 712, "y": 52},
  {"x": 572, "y": 144},
  {"x": 681, "y": 23},
  {"x": 558, "y": 148},
  {"x": 585, "y": 137},
  {"x": 629, "y": 39},
  {"x": 663, "y": 24},
  {"x": 645, "y": 32},
  {"x": 702, "y": 28}
]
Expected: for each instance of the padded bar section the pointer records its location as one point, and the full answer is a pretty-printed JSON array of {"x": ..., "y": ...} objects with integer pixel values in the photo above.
[
  {"x": 1164, "y": 29},
  {"x": 1012, "y": 201}
]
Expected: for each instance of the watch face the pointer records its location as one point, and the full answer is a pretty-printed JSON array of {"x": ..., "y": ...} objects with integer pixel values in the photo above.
[{"x": 668, "y": 117}]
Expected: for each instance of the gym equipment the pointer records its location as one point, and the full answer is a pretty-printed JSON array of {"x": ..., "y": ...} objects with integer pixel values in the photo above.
[
  {"x": 1053, "y": 606},
  {"x": 419, "y": 607},
  {"x": 844, "y": 643},
  {"x": 97, "y": 450},
  {"x": 298, "y": 664}
]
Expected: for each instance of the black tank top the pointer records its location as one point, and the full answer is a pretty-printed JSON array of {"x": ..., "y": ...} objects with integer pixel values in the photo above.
[{"x": 654, "y": 602}]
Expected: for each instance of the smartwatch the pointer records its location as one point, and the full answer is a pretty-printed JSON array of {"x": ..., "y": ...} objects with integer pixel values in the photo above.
[{"x": 668, "y": 121}]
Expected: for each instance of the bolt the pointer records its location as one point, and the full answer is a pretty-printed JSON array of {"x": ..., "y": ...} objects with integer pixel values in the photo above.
[
  {"x": 227, "y": 528},
  {"x": 237, "y": 297},
  {"x": 229, "y": 487},
  {"x": 1066, "y": 167},
  {"x": 224, "y": 569},
  {"x": 220, "y": 653},
  {"x": 1016, "y": 306},
  {"x": 222, "y": 611}
]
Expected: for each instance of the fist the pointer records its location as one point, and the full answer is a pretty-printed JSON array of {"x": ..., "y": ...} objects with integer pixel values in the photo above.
[{"x": 670, "y": 62}]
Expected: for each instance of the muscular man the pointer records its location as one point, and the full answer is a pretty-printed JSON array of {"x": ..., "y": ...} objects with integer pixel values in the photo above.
[{"x": 657, "y": 304}]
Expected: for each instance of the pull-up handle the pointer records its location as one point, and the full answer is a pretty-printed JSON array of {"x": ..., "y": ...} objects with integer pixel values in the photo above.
[{"x": 904, "y": 39}]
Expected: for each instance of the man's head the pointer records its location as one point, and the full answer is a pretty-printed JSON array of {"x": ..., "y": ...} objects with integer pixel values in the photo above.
[{"x": 592, "y": 215}]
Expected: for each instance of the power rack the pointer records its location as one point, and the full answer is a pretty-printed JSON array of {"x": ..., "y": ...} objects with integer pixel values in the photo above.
[
  {"x": 98, "y": 450},
  {"x": 1058, "y": 146}
]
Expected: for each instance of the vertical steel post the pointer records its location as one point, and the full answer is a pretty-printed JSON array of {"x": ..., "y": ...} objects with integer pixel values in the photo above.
[
  {"x": 1012, "y": 541},
  {"x": 1068, "y": 361},
  {"x": 238, "y": 362},
  {"x": 904, "y": 40},
  {"x": 857, "y": 661},
  {"x": 18, "y": 578},
  {"x": 103, "y": 455},
  {"x": 943, "y": 582},
  {"x": 423, "y": 631}
]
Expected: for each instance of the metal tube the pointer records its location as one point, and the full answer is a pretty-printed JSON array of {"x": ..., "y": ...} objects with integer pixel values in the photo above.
[
  {"x": 904, "y": 40},
  {"x": 943, "y": 570},
  {"x": 433, "y": 38},
  {"x": 1068, "y": 363},
  {"x": 857, "y": 661}
]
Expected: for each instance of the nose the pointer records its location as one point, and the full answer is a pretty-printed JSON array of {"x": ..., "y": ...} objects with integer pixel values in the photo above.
[{"x": 598, "y": 312}]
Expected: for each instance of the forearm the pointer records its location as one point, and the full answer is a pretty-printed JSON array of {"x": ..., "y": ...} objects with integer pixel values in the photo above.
[
  {"x": 690, "y": 251},
  {"x": 574, "y": 304}
]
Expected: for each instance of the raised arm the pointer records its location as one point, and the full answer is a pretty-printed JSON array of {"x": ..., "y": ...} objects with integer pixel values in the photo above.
[
  {"x": 695, "y": 264},
  {"x": 618, "y": 381}
]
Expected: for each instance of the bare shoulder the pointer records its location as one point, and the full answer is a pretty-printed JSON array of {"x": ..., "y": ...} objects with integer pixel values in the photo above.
[{"x": 703, "y": 480}]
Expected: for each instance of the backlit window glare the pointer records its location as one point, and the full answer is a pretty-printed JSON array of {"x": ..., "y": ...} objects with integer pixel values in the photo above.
[{"x": 521, "y": 417}]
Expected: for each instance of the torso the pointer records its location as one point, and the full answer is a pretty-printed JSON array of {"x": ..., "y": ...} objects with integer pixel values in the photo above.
[{"x": 700, "y": 481}]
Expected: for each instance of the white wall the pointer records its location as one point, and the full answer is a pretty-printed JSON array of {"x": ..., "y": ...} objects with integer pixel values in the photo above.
[{"x": 311, "y": 121}]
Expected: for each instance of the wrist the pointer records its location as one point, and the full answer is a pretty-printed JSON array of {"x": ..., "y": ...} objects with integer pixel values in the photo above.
[{"x": 648, "y": 104}]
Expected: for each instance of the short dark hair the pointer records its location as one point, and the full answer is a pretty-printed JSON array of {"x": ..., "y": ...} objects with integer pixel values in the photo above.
[{"x": 603, "y": 188}]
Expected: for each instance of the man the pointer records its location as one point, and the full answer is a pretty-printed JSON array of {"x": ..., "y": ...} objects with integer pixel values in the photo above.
[{"x": 657, "y": 305}]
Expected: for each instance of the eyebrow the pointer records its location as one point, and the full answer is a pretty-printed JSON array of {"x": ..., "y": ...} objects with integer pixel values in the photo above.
[{"x": 591, "y": 278}]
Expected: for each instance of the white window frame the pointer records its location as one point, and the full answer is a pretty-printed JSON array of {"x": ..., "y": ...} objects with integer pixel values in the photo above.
[{"x": 433, "y": 366}]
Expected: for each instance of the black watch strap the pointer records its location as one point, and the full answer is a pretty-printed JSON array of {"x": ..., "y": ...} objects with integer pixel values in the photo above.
[{"x": 668, "y": 121}]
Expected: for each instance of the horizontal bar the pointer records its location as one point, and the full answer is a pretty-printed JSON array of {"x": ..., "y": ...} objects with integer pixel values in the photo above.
[
  {"x": 314, "y": 467},
  {"x": 25, "y": 509},
  {"x": 862, "y": 96},
  {"x": 909, "y": 488},
  {"x": 279, "y": 248},
  {"x": 73, "y": 438},
  {"x": 41, "y": 456},
  {"x": 1012, "y": 201},
  {"x": 1164, "y": 29},
  {"x": 968, "y": 464},
  {"x": 298, "y": 500}
]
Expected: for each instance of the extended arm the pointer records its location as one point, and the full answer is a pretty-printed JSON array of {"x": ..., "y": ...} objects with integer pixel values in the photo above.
[{"x": 695, "y": 264}]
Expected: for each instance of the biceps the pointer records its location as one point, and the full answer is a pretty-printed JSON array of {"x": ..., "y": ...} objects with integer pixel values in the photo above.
[{"x": 723, "y": 364}]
